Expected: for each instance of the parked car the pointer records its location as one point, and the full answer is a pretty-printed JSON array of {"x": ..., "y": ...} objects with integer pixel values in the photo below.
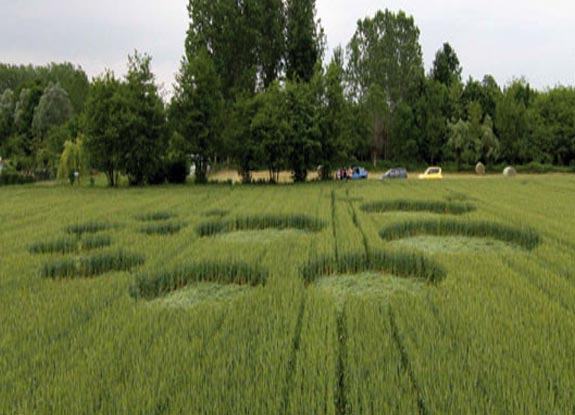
[
  {"x": 397, "y": 173},
  {"x": 432, "y": 173},
  {"x": 359, "y": 173}
]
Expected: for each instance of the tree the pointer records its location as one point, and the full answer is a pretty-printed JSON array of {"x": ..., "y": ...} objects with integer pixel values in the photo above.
[
  {"x": 104, "y": 124},
  {"x": 405, "y": 133},
  {"x": 475, "y": 119},
  {"x": 197, "y": 109},
  {"x": 334, "y": 116},
  {"x": 385, "y": 51},
  {"x": 489, "y": 143},
  {"x": 271, "y": 24},
  {"x": 446, "y": 68},
  {"x": 251, "y": 34},
  {"x": 6, "y": 115},
  {"x": 54, "y": 109},
  {"x": 459, "y": 139},
  {"x": 302, "y": 140},
  {"x": 240, "y": 138},
  {"x": 270, "y": 130},
  {"x": 143, "y": 133},
  {"x": 385, "y": 68},
  {"x": 71, "y": 78},
  {"x": 512, "y": 122},
  {"x": 378, "y": 115},
  {"x": 72, "y": 160},
  {"x": 304, "y": 39},
  {"x": 430, "y": 112}
]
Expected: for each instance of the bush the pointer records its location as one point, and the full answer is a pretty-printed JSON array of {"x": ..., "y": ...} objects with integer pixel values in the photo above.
[
  {"x": 8, "y": 179},
  {"x": 177, "y": 171}
]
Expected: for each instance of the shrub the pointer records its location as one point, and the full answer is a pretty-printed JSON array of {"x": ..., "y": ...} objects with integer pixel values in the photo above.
[
  {"x": 90, "y": 266},
  {"x": 245, "y": 223},
  {"x": 152, "y": 285},
  {"x": 7, "y": 179},
  {"x": 399, "y": 264},
  {"x": 525, "y": 237},
  {"x": 418, "y": 206},
  {"x": 177, "y": 171}
]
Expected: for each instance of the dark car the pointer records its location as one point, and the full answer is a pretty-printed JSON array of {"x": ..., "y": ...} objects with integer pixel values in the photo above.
[{"x": 397, "y": 173}]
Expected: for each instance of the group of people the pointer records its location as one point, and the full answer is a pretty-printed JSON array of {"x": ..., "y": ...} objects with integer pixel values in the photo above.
[{"x": 344, "y": 174}]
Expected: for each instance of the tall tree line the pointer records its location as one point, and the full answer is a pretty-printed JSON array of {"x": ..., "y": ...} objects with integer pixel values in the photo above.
[{"x": 255, "y": 89}]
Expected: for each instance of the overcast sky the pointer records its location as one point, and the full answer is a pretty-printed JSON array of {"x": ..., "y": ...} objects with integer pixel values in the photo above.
[{"x": 508, "y": 39}]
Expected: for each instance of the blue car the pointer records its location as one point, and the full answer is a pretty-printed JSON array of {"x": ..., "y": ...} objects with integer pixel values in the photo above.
[{"x": 359, "y": 173}]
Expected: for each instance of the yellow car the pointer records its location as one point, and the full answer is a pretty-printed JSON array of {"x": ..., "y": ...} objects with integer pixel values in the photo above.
[{"x": 432, "y": 173}]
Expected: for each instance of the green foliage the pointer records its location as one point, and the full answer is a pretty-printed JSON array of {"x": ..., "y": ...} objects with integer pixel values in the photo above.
[
  {"x": 523, "y": 237},
  {"x": 270, "y": 129},
  {"x": 7, "y": 179},
  {"x": 91, "y": 266},
  {"x": 304, "y": 37},
  {"x": 250, "y": 49},
  {"x": 53, "y": 110},
  {"x": 197, "y": 109},
  {"x": 72, "y": 78},
  {"x": 512, "y": 122},
  {"x": 446, "y": 67},
  {"x": 334, "y": 116},
  {"x": 143, "y": 136},
  {"x": 72, "y": 160},
  {"x": 103, "y": 126},
  {"x": 399, "y": 264},
  {"x": 247, "y": 223},
  {"x": 432, "y": 110},
  {"x": 403, "y": 205},
  {"x": 385, "y": 51},
  {"x": 6, "y": 115},
  {"x": 302, "y": 142},
  {"x": 152, "y": 285}
]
